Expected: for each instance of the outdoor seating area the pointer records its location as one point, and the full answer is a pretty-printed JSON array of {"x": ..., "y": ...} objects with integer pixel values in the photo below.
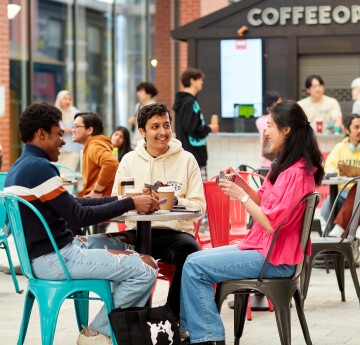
[{"x": 325, "y": 313}]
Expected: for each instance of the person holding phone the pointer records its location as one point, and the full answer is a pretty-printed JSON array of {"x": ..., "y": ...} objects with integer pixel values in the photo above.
[{"x": 294, "y": 174}]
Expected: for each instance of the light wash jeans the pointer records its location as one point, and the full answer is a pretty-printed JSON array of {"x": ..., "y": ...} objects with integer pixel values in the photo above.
[
  {"x": 326, "y": 207},
  {"x": 132, "y": 279},
  {"x": 198, "y": 311}
]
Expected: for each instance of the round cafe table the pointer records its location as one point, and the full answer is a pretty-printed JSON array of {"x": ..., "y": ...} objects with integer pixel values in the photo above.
[{"x": 143, "y": 225}]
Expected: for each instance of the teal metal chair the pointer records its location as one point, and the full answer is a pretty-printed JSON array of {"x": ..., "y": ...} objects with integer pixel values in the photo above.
[
  {"x": 4, "y": 233},
  {"x": 50, "y": 294},
  {"x": 5, "y": 245}
]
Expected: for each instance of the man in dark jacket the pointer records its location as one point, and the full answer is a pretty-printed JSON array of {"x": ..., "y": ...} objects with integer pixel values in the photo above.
[
  {"x": 35, "y": 179},
  {"x": 190, "y": 125}
]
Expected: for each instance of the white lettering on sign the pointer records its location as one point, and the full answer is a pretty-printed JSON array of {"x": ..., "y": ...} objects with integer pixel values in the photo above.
[{"x": 310, "y": 15}]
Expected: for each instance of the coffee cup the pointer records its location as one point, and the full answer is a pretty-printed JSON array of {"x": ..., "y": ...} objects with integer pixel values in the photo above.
[
  {"x": 168, "y": 193},
  {"x": 133, "y": 192},
  {"x": 124, "y": 184},
  {"x": 319, "y": 125}
]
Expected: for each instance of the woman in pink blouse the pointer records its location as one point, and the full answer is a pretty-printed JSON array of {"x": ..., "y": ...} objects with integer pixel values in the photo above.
[{"x": 294, "y": 174}]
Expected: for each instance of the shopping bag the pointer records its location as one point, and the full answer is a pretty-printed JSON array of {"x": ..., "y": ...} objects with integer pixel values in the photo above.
[{"x": 145, "y": 326}]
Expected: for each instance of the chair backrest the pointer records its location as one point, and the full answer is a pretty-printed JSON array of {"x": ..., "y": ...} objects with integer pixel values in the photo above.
[
  {"x": 351, "y": 224},
  {"x": 311, "y": 201},
  {"x": 351, "y": 229},
  {"x": 2, "y": 179},
  {"x": 66, "y": 171},
  {"x": 218, "y": 211},
  {"x": 2, "y": 217},
  {"x": 13, "y": 212}
]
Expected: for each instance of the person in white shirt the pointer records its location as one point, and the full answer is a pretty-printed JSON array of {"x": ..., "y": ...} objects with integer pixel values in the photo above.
[
  {"x": 355, "y": 92},
  {"x": 319, "y": 107}
]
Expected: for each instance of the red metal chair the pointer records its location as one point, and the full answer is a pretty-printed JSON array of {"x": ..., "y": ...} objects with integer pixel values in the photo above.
[{"x": 221, "y": 213}]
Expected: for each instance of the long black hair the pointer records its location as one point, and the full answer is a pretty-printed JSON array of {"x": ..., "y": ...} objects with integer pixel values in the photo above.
[
  {"x": 300, "y": 142},
  {"x": 126, "y": 146}
]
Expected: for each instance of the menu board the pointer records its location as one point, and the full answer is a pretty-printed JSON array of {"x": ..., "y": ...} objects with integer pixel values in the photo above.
[{"x": 241, "y": 78}]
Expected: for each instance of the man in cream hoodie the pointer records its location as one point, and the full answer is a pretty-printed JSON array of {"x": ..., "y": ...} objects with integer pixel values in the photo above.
[{"x": 159, "y": 157}]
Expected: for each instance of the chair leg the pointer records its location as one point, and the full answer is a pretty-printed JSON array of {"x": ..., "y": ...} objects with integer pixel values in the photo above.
[
  {"x": 352, "y": 266},
  {"x": 305, "y": 276},
  {"x": 240, "y": 306},
  {"x": 283, "y": 317},
  {"x": 300, "y": 311},
  {"x": 339, "y": 265},
  {"x": 29, "y": 302},
  {"x": 12, "y": 269},
  {"x": 248, "y": 310},
  {"x": 82, "y": 308}
]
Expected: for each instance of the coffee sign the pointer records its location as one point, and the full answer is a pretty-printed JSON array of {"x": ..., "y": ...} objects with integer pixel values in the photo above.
[{"x": 309, "y": 15}]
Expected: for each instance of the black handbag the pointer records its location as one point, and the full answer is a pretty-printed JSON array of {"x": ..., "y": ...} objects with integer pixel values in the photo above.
[{"x": 145, "y": 326}]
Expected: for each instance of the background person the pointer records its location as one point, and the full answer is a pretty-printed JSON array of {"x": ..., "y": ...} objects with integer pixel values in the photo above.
[
  {"x": 293, "y": 175},
  {"x": 35, "y": 179},
  {"x": 98, "y": 162},
  {"x": 346, "y": 152},
  {"x": 145, "y": 93},
  {"x": 70, "y": 153},
  {"x": 318, "y": 106},
  {"x": 271, "y": 98},
  {"x": 355, "y": 93},
  {"x": 190, "y": 127},
  {"x": 120, "y": 138}
]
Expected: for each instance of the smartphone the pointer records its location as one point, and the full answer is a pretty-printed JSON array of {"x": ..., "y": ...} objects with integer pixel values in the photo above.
[{"x": 179, "y": 207}]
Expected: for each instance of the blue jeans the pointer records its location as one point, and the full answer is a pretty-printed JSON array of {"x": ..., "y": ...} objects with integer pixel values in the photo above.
[
  {"x": 132, "y": 280},
  {"x": 198, "y": 311},
  {"x": 326, "y": 207}
]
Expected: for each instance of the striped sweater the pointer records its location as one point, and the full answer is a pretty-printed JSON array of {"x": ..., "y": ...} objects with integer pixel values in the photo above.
[{"x": 35, "y": 179}]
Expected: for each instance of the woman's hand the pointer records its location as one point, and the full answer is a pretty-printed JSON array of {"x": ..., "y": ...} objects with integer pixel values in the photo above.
[
  {"x": 231, "y": 189},
  {"x": 229, "y": 171}
]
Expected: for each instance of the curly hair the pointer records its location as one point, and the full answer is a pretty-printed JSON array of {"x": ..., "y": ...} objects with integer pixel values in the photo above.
[
  {"x": 36, "y": 116},
  {"x": 149, "y": 111}
]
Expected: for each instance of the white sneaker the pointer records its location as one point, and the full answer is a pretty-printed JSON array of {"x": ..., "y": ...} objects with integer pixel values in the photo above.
[
  {"x": 98, "y": 339},
  {"x": 336, "y": 231}
]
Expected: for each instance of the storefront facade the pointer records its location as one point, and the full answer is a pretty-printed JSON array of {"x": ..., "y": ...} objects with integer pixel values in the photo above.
[
  {"x": 97, "y": 49},
  {"x": 299, "y": 38}
]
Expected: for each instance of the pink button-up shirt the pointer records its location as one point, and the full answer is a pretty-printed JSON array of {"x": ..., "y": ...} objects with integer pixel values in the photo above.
[{"x": 277, "y": 202}]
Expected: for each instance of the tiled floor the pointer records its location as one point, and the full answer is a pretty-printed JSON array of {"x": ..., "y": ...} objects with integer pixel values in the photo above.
[{"x": 331, "y": 322}]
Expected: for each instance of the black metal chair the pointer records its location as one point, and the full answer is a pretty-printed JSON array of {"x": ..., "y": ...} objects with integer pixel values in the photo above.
[
  {"x": 280, "y": 291},
  {"x": 336, "y": 249}
]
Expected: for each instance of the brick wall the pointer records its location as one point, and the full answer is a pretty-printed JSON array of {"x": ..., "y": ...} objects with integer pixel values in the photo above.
[
  {"x": 189, "y": 10},
  {"x": 163, "y": 51},
  {"x": 4, "y": 81}
]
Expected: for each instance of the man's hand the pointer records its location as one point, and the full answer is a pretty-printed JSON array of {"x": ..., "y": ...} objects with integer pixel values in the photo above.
[{"x": 146, "y": 204}]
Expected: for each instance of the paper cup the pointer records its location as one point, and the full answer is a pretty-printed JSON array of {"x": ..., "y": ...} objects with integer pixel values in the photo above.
[
  {"x": 124, "y": 184},
  {"x": 166, "y": 193},
  {"x": 319, "y": 125}
]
